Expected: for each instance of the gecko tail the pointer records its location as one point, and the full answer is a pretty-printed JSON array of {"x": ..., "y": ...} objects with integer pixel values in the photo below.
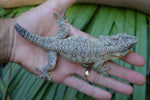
[{"x": 34, "y": 38}]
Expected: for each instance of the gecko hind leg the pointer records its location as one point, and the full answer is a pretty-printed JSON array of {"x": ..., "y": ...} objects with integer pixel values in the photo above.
[
  {"x": 47, "y": 70},
  {"x": 63, "y": 31},
  {"x": 101, "y": 68},
  {"x": 44, "y": 73}
]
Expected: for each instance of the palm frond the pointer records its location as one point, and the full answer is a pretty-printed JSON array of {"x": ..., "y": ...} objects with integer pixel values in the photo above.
[{"x": 95, "y": 20}]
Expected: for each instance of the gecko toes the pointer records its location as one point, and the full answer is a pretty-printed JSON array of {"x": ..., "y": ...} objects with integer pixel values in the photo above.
[
  {"x": 44, "y": 74},
  {"x": 103, "y": 70}
]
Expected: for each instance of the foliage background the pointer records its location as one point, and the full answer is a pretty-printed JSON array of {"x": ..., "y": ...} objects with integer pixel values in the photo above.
[{"x": 95, "y": 20}]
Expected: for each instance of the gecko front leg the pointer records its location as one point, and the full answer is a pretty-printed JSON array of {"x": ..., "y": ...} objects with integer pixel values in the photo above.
[{"x": 46, "y": 70}]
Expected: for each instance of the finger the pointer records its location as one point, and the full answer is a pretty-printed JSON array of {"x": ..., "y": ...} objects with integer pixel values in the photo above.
[
  {"x": 110, "y": 83},
  {"x": 86, "y": 88},
  {"x": 125, "y": 73},
  {"x": 134, "y": 59}
]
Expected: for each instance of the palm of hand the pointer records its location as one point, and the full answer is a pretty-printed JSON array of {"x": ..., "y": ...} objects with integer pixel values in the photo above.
[
  {"x": 32, "y": 56},
  {"x": 41, "y": 21}
]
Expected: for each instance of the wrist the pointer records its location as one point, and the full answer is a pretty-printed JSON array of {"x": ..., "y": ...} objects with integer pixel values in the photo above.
[{"x": 6, "y": 39}]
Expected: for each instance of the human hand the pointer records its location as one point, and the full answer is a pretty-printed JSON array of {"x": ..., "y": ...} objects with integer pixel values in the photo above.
[{"x": 41, "y": 21}]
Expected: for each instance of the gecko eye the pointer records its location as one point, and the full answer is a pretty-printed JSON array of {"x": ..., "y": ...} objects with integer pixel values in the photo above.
[{"x": 131, "y": 46}]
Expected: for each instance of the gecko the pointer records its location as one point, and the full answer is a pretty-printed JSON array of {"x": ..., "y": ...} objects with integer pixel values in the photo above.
[{"x": 78, "y": 49}]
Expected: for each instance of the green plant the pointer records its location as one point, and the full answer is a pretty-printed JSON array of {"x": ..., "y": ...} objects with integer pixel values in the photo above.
[{"x": 95, "y": 20}]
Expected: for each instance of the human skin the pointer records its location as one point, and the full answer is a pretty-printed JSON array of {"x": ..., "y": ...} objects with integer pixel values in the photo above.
[
  {"x": 140, "y": 5},
  {"x": 40, "y": 20}
]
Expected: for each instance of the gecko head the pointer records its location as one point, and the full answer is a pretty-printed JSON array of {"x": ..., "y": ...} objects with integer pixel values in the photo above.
[{"x": 124, "y": 43}]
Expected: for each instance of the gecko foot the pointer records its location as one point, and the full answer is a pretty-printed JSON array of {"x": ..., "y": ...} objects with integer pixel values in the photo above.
[
  {"x": 103, "y": 70},
  {"x": 63, "y": 15},
  {"x": 44, "y": 74}
]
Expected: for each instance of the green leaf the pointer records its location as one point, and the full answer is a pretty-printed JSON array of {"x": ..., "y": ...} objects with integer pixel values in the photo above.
[
  {"x": 120, "y": 22},
  {"x": 20, "y": 88},
  {"x": 15, "y": 69},
  {"x": 83, "y": 16},
  {"x": 70, "y": 94},
  {"x": 3, "y": 89},
  {"x": 71, "y": 12},
  {"x": 40, "y": 93},
  {"x": 60, "y": 92},
  {"x": 35, "y": 88},
  {"x": 97, "y": 24},
  {"x": 141, "y": 48},
  {"x": 130, "y": 22},
  {"x": 50, "y": 92},
  {"x": 110, "y": 20}
]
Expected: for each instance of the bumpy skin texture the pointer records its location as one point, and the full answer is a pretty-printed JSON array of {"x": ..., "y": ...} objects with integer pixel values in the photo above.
[{"x": 79, "y": 49}]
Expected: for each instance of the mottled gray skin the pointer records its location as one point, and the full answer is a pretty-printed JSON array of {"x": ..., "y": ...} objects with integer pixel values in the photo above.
[{"x": 79, "y": 49}]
